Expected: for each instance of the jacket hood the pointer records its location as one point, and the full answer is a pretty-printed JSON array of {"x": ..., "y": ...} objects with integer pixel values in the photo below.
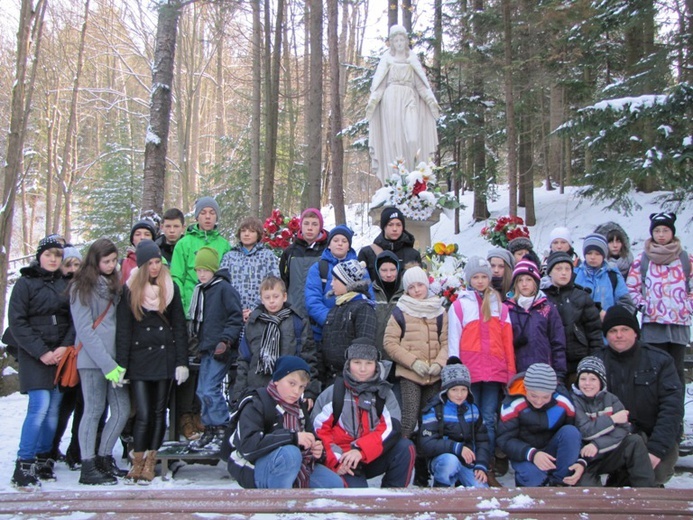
[
  {"x": 223, "y": 273},
  {"x": 327, "y": 255},
  {"x": 380, "y": 259},
  {"x": 322, "y": 237},
  {"x": 194, "y": 229},
  {"x": 613, "y": 227},
  {"x": 34, "y": 270}
]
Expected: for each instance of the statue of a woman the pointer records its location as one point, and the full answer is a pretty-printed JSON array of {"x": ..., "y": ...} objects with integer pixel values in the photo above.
[{"x": 402, "y": 110}]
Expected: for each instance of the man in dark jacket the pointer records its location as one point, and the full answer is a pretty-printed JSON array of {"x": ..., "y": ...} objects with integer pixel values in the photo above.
[
  {"x": 645, "y": 380},
  {"x": 393, "y": 237}
]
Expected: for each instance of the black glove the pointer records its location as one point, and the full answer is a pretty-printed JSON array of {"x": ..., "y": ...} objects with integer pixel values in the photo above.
[{"x": 222, "y": 352}]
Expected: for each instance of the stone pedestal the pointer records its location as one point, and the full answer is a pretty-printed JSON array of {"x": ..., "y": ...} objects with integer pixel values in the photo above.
[{"x": 421, "y": 229}]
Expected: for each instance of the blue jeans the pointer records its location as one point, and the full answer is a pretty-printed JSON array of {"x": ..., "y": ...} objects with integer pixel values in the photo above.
[
  {"x": 486, "y": 397},
  {"x": 448, "y": 470},
  {"x": 40, "y": 423},
  {"x": 279, "y": 469},
  {"x": 565, "y": 446},
  {"x": 214, "y": 410}
]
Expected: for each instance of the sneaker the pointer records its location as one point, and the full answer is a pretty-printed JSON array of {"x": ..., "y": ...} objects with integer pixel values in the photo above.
[
  {"x": 44, "y": 467},
  {"x": 212, "y": 436},
  {"x": 24, "y": 477}
]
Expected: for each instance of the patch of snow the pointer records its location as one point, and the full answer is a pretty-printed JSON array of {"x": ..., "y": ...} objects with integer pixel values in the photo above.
[
  {"x": 521, "y": 501},
  {"x": 491, "y": 503},
  {"x": 8, "y": 371},
  {"x": 152, "y": 137}
]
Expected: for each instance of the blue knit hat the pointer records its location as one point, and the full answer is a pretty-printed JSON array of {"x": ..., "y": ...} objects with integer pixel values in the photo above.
[
  {"x": 287, "y": 364},
  {"x": 342, "y": 229}
]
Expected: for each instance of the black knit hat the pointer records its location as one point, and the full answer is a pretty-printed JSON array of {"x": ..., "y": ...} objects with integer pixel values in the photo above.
[
  {"x": 146, "y": 250},
  {"x": 593, "y": 365},
  {"x": 389, "y": 214},
  {"x": 287, "y": 364},
  {"x": 557, "y": 257},
  {"x": 663, "y": 219},
  {"x": 619, "y": 315},
  {"x": 145, "y": 223},
  {"x": 49, "y": 242}
]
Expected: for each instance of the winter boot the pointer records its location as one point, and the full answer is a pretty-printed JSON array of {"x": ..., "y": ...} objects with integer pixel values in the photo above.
[
  {"x": 108, "y": 466},
  {"x": 44, "y": 467},
  {"x": 421, "y": 473},
  {"x": 73, "y": 457},
  {"x": 197, "y": 422},
  {"x": 187, "y": 427},
  {"x": 492, "y": 480},
  {"x": 205, "y": 439},
  {"x": 148, "y": 472},
  {"x": 500, "y": 464},
  {"x": 92, "y": 476},
  {"x": 135, "y": 472},
  {"x": 24, "y": 477}
]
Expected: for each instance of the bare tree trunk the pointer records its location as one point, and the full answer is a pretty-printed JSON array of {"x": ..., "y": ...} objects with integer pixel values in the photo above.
[
  {"x": 688, "y": 27},
  {"x": 556, "y": 115},
  {"x": 479, "y": 141},
  {"x": 510, "y": 108},
  {"x": 256, "y": 122},
  {"x": 407, "y": 12},
  {"x": 314, "y": 108},
  {"x": 336, "y": 143},
  {"x": 156, "y": 142},
  {"x": 392, "y": 6},
  {"x": 220, "y": 115}
]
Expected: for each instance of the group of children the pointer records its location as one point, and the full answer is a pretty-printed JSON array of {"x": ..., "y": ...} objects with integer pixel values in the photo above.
[{"x": 404, "y": 380}]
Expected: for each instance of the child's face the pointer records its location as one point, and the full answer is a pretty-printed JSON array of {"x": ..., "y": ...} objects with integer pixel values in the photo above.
[
  {"x": 520, "y": 254},
  {"x": 362, "y": 369},
  {"x": 338, "y": 286},
  {"x": 526, "y": 285},
  {"x": 417, "y": 290},
  {"x": 70, "y": 266},
  {"x": 204, "y": 275},
  {"x": 273, "y": 299},
  {"x": 154, "y": 267},
  {"x": 139, "y": 235},
  {"x": 458, "y": 394},
  {"x": 615, "y": 246},
  {"x": 173, "y": 230},
  {"x": 538, "y": 398},
  {"x": 310, "y": 229},
  {"x": 662, "y": 235},
  {"x": 51, "y": 259},
  {"x": 561, "y": 274},
  {"x": 589, "y": 384},
  {"x": 107, "y": 264},
  {"x": 480, "y": 282},
  {"x": 560, "y": 244},
  {"x": 497, "y": 267},
  {"x": 249, "y": 237},
  {"x": 394, "y": 229},
  {"x": 594, "y": 259},
  {"x": 339, "y": 245},
  {"x": 388, "y": 272},
  {"x": 207, "y": 219},
  {"x": 291, "y": 387}
]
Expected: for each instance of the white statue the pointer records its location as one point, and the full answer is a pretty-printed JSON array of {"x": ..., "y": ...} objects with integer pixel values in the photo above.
[{"x": 402, "y": 110}]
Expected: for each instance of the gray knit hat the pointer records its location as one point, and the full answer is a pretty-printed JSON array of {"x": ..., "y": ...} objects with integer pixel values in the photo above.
[
  {"x": 558, "y": 257},
  {"x": 541, "y": 377},
  {"x": 350, "y": 273},
  {"x": 476, "y": 265},
  {"x": 146, "y": 250},
  {"x": 206, "y": 202},
  {"x": 595, "y": 242},
  {"x": 71, "y": 252},
  {"x": 520, "y": 243},
  {"x": 362, "y": 348},
  {"x": 454, "y": 373},
  {"x": 593, "y": 365},
  {"x": 503, "y": 254}
]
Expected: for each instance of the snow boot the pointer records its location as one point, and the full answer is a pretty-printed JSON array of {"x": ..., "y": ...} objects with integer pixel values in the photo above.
[
  {"x": 135, "y": 472},
  {"x": 73, "y": 457},
  {"x": 44, "y": 467},
  {"x": 187, "y": 427},
  {"x": 92, "y": 476},
  {"x": 148, "y": 474},
  {"x": 209, "y": 436},
  {"x": 108, "y": 466},
  {"x": 24, "y": 477}
]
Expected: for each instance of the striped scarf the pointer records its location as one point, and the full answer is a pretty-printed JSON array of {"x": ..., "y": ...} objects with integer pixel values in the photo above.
[
  {"x": 197, "y": 305},
  {"x": 293, "y": 421},
  {"x": 271, "y": 340}
]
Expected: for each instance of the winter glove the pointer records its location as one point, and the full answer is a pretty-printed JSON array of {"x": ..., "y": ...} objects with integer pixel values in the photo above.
[
  {"x": 420, "y": 367},
  {"x": 116, "y": 376},
  {"x": 434, "y": 370},
  {"x": 182, "y": 374},
  {"x": 222, "y": 352}
]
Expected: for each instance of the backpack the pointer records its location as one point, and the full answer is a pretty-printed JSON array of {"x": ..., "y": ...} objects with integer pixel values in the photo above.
[
  {"x": 399, "y": 318},
  {"x": 338, "y": 393},
  {"x": 324, "y": 269},
  {"x": 685, "y": 264},
  {"x": 268, "y": 412}
]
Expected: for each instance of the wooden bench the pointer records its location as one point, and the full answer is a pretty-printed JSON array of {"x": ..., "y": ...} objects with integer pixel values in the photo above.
[{"x": 538, "y": 503}]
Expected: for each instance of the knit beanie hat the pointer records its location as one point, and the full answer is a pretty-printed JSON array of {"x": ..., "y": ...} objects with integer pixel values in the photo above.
[
  {"x": 560, "y": 232},
  {"x": 49, "y": 242},
  {"x": 558, "y": 257},
  {"x": 541, "y": 377},
  {"x": 389, "y": 214},
  {"x": 342, "y": 229},
  {"x": 593, "y": 365},
  {"x": 454, "y": 373},
  {"x": 520, "y": 243},
  {"x": 287, "y": 364},
  {"x": 207, "y": 258},
  {"x": 71, "y": 252},
  {"x": 145, "y": 223},
  {"x": 663, "y": 219},
  {"x": 349, "y": 272},
  {"x": 476, "y": 265},
  {"x": 312, "y": 211},
  {"x": 619, "y": 315},
  {"x": 503, "y": 254},
  {"x": 526, "y": 266},
  {"x": 595, "y": 242},
  {"x": 206, "y": 202},
  {"x": 362, "y": 348},
  {"x": 413, "y": 275},
  {"x": 146, "y": 250}
]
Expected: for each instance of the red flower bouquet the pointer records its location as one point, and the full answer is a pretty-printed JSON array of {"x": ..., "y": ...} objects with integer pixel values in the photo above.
[
  {"x": 502, "y": 230},
  {"x": 280, "y": 231}
]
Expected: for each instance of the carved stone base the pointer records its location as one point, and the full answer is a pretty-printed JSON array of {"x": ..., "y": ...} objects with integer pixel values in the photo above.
[{"x": 421, "y": 229}]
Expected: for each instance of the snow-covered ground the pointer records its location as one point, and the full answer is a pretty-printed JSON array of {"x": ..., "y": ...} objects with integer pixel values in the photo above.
[{"x": 552, "y": 210}]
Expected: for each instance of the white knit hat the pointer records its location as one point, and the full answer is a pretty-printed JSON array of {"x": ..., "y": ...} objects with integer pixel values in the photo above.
[
  {"x": 560, "y": 232},
  {"x": 413, "y": 275}
]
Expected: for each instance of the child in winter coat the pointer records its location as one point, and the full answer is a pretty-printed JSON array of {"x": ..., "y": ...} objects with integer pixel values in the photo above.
[
  {"x": 502, "y": 264},
  {"x": 603, "y": 422},
  {"x": 538, "y": 334},
  {"x": 296, "y": 260},
  {"x": 216, "y": 320},
  {"x": 144, "y": 229},
  {"x": 285, "y": 455},
  {"x": 39, "y": 318},
  {"x": 387, "y": 287},
  {"x": 453, "y": 436},
  {"x": 606, "y": 284},
  {"x": 358, "y": 421},
  {"x": 536, "y": 429},
  {"x": 152, "y": 345},
  {"x": 94, "y": 295},
  {"x": 579, "y": 314},
  {"x": 352, "y": 317},
  {"x": 249, "y": 262},
  {"x": 620, "y": 255},
  {"x": 479, "y": 330},
  {"x": 417, "y": 342},
  {"x": 660, "y": 284},
  {"x": 274, "y": 329}
]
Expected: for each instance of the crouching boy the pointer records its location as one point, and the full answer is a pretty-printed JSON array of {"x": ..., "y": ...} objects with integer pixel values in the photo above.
[
  {"x": 453, "y": 437},
  {"x": 536, "y": 429},
  {"x": 273, "y": 450}
]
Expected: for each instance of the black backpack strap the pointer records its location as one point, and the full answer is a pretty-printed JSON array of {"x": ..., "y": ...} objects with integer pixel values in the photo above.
[
  {"x": 324, "y": 269},
  {"x": 440, "y": 419},
  {"x": 338, "y": 393},
  {"x": 613, "y": 278},
  {"x": 439, "y": 324},
  {"x": 399, "y": 318}
]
